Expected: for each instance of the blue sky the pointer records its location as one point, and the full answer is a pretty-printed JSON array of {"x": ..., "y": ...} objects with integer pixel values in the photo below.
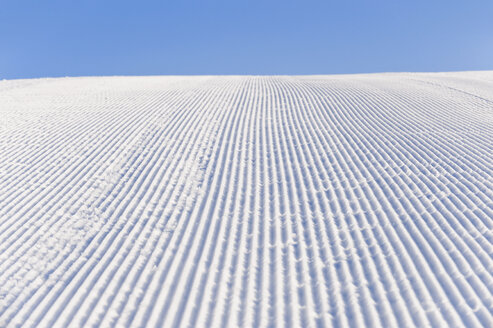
[{"x": 77, "y": 38}]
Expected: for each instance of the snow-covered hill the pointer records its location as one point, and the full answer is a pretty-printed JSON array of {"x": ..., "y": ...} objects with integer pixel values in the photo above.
[{"x": 358, "y": 200}]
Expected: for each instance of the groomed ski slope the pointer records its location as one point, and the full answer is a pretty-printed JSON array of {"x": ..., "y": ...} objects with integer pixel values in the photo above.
[{"x": 307, "y": 201}]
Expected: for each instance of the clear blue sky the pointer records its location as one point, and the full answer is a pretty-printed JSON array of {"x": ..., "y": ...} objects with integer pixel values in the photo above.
[{"x": 86, "y": 37}]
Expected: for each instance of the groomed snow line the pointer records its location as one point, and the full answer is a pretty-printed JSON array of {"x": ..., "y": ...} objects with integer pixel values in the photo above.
[{"x": 252, "y": 201}]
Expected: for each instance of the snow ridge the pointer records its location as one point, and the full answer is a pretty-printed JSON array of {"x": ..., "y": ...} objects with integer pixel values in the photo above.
[{"x": 357, "y": 200}]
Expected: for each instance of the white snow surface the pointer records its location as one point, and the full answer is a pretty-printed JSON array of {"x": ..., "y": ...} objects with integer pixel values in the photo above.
[{"x": 210, "y": 201}]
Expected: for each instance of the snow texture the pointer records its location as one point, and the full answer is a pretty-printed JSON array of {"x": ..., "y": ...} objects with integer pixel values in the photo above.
[{"x": 304, "y": 201}]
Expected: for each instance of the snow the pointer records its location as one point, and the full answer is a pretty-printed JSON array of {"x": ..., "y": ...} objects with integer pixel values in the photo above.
[{"x": 351, "y": 200}]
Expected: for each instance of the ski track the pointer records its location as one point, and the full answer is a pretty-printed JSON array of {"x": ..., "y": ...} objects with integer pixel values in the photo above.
[{"x": 310, "y": 201}]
